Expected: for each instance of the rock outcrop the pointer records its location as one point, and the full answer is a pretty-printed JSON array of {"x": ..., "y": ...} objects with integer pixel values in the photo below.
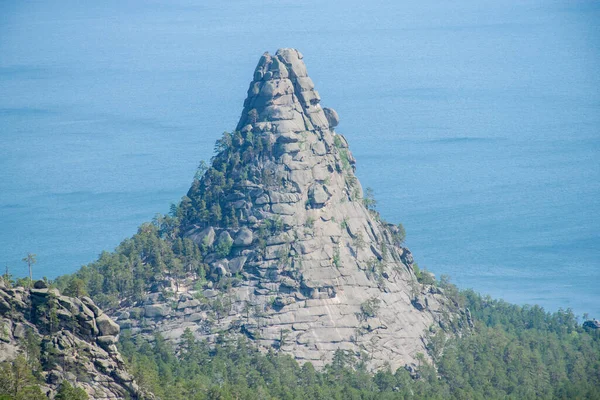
[
  {"x": 77, "y": 341},
  {"x": 299, "y": 261}
]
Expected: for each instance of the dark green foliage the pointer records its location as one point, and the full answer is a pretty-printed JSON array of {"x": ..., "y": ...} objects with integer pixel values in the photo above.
[
  {"x": 68, "y": 392},
  {"x": 343, "y": 152},
  {"x": 20, "y": 379},
  {"x": 423, "y": 276},
  {"x": 223, "y": 247},
  {"x": 31, "y": 345},
  {"x": 337, "y": 261},
  {"x": 400, "y": 235},
  {"x": 369, "y": 199},
  {"x": 205, "y": 201},
  {"x": 147, "y": 257},
  {"x": 522, "y": 352},
  {"x": 75, "y": 288},
  {"x": 17, "y": 382},
  {"x": 369, "y": 308}
]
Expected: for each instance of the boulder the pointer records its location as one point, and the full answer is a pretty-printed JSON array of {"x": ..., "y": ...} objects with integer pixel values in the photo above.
[
  {"x": 156, "y": 310},
  {"x": 19, "y": 331},
  {"x": 206, "y": 237},
  {"x": 283, "y": 209},
  {"x": 293, "y": 61},
  {"x": 66, "y": 302},
  {"x": 106, "y": 326},
  {"x": 123, "y": 315},
  {"x": 91, "y": 305},
  {"x": 154, "y": 298},
  {"x": 4, "y": 305},
  {"x": 420, "y": 302},
  {"x": 42, "y": 292},
  {"x": 106, "y": 341},
  {"x": 199, "y": 316},
  {"x": 318, "y": 195},
  {"x": 209, "y": 293},
  {"x": 591, "y": 324},
  {"x": 188, "y": 304},
  {"x": 407, "y": 257},
  {"x": 243, "y": 238},
  {"x": 185, "y": 297},
  {"x": 332, "y": 117},
  {"x": 125, "y": 324},
  {"x": 85, "y": 312},
  {"x": 262, "y": 199},
  {"x": 225, "y": 237},
  {"x": 40, "y": 285},
  {"x": 237, "y": 264}
]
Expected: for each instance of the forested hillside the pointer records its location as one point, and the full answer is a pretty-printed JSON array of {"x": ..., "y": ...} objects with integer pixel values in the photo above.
[{"x": 513, "y": 353}]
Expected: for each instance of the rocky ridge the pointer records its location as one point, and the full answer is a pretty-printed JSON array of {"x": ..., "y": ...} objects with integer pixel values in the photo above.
[
  {"x": 299, "y": 260},
  {"x": 77, "y": 341}
]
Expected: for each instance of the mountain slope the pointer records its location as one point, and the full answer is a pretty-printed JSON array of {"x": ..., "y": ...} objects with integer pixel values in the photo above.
[{"x": 295, "y": 257}]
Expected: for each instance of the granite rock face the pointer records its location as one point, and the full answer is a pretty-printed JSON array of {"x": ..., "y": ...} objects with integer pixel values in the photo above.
[
  {"x": 311, "y": 268},
  {"x": 77, "y": 335}
]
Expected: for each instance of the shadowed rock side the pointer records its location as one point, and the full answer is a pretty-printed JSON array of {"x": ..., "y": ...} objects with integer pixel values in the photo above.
[
  {"x": 319, "y": 270},
  {"x": 77, "y": 341}
]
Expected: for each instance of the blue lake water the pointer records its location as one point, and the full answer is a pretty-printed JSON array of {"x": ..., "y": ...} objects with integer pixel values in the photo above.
[{"x": 477, "y": 124}]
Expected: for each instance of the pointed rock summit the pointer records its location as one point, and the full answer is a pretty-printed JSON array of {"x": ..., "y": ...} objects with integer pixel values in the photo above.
[
  {"x": 283, "y": 95},
  {"x": 298, "y": 260}
]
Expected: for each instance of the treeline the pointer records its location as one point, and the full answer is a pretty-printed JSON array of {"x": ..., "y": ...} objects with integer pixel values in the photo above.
[
  {"x": 513, "y": 353},
  {"x": 20, "y": 379},
  {"x": 154, "y": 253},
  {"x": 237, "y": 156}
]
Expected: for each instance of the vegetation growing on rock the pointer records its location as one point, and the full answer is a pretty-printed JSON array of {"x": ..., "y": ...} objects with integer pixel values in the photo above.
[
  {"x": 259, "y": 225},
  {"x": 55, "y": 346},
  {"x": 513, "y": 352},
  {"x": 275, "y": 248}
]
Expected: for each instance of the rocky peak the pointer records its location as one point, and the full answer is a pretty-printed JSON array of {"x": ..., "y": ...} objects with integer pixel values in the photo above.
[
  {"x": 281, "y": 218},
  {"x": 283, "y": 95}
]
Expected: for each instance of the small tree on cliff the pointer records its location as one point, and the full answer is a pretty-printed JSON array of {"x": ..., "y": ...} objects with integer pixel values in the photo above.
[{"x": 30, "y": 259}]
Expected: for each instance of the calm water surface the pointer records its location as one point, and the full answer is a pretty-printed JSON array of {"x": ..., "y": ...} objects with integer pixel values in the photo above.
[{"x": 477, "y": 124}]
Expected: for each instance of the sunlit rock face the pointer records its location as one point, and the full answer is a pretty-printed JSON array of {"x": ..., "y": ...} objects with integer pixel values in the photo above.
[{"x": 312, "y": 268}]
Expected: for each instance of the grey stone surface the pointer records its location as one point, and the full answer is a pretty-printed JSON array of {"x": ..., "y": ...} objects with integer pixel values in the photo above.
[
  {"x": 243, "y": 237},
  {"x": 318, "y": 194},
  {"x": 205, "y": 237},
  {"x": 307, "y": 254},
  {"x": 107, "y": 326},
  {"x": 75, "y": 341},
  {"x": 225, "y": 237},
  {"x": 237, "y": 264},
  {"x": 156, "y": 310},
  {"x": 332, "y": 117}
]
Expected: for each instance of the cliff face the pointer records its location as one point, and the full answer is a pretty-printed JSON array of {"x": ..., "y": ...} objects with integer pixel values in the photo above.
[
  {"x": 75, "y": 340},
  {"x": 310, "y": 267}
]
